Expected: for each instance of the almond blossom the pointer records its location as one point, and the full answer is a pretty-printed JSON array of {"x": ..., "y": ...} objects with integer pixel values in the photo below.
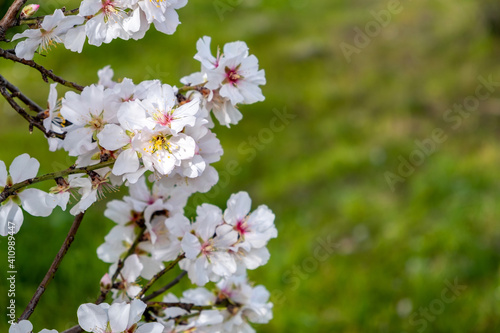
[{"x": 52, "y": 31}]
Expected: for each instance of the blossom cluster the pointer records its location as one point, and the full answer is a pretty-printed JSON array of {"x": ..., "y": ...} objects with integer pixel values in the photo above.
[
  {"x": 158, "y": 141},
  {"x": 99, "y": 21}
]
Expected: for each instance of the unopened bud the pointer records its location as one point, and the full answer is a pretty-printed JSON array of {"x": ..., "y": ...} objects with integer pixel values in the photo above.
[
  {"x": 105, "y": 282},
  {"x": 29, "y": 10}
]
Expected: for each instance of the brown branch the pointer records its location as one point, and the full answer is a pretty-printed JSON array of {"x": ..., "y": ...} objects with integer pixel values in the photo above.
[
  {"x": 46, "y": 73},
  {"x": 74, "y": 329},
  {"x": 9, "y": 20},
  {"x": 39, "y": 19},
  {"x": 121, "y": 263},
  {"x": 17, "y": 93},
  {"x": 53, "y": 268},
  {"x": 10, "y": 190},
  {"x": 33, "y": 121},
  {"x": 158, "y": 275},
  {"x": 165, "y": 288},
  {"x": 185, "y": 306}
]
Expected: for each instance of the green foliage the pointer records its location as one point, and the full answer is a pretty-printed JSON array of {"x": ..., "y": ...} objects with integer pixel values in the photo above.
[{"x": 324, "y": 174}]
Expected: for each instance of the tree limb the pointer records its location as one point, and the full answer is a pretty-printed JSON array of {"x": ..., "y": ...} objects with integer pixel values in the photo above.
[
  {"x": 165, "y": 288},
  {"x": 46, "y": 73},
  {"x": 9, "y": 20},
  {"x": 10, "y": 190},
  {"x": 158, "y": 275},
  {"x": 17, "y": 93},
  {"x": 53, "y": 268}
]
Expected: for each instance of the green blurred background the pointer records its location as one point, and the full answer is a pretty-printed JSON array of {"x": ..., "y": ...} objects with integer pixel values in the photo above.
[{"x": 392, "y": 248}]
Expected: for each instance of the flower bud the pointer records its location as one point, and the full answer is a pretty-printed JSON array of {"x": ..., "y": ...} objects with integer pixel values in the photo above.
[
  {"x": 29, "y": 10},
  {"x": 105, "y": 282}
]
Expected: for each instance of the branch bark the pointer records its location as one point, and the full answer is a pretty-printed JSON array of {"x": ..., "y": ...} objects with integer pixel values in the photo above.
[
  {"x": 8, "y": 191},
  {"x": 53, "y": 268},
  {"x": 46, "y": 73},
  {"x": 159, "y": 275},
  {"x": 15, "y": 92},
  {"x": 185, "y": 306},
  {"x": 165, "y": 288},
  {"x": 10, "y": 18}
]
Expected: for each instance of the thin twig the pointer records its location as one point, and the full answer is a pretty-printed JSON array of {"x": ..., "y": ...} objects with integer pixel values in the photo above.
[
  {"x": 53, "y": 268},
  {"x": 121, "y": 263},
  {"x": 46, "y": 73},
  {"x": 10, "y": 190},
  {"x": 165, "y": 288},
  {"x": 33, "y": 122},
  {"x": 39, "y": 19},
  {"x": 160, "y": 274},
  {"x": 9, "y": 20},
  {"x": 74, "y": 329},
  {"x": 17, "y": 93},
  {"x": 185, "y": 306}
]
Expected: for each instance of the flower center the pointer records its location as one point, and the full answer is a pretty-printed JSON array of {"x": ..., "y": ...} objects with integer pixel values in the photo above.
[
  {"x": 164, "y": 119},
  {"x": 157, "y": 143},
  {"x": 241, "y": 227},
  {"x": 232, "y": 75}
]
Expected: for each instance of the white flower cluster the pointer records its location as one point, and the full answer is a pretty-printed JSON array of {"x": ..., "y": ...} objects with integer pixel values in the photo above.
[
  {"x": 232, "y": 77},
  {"x": 241, "y": 302},
  {"x": 157, "y": 140},
  {"x": 100, "y": 21}
]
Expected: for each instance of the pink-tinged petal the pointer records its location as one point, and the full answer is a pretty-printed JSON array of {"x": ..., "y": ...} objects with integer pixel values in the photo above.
[
  {"x": 150, "y": 328},
  {"x": 92, "y": 317},
  {"x": 3, "y": 174},
  {"x": 34, "y": 202},
  {"x": 238, "y": 206},
  {"x": 191, "y": 246},
  {"x": 126, "y": 162},
  {"x": 23, "y": 167},
  {"x": 24, "y": 326},
  {"x": 137, "y": 308},
  {"x": 118, "y": 314}
]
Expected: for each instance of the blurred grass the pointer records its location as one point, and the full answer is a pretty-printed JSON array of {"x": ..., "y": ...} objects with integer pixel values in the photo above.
[{"x": 323, "y": 175}]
